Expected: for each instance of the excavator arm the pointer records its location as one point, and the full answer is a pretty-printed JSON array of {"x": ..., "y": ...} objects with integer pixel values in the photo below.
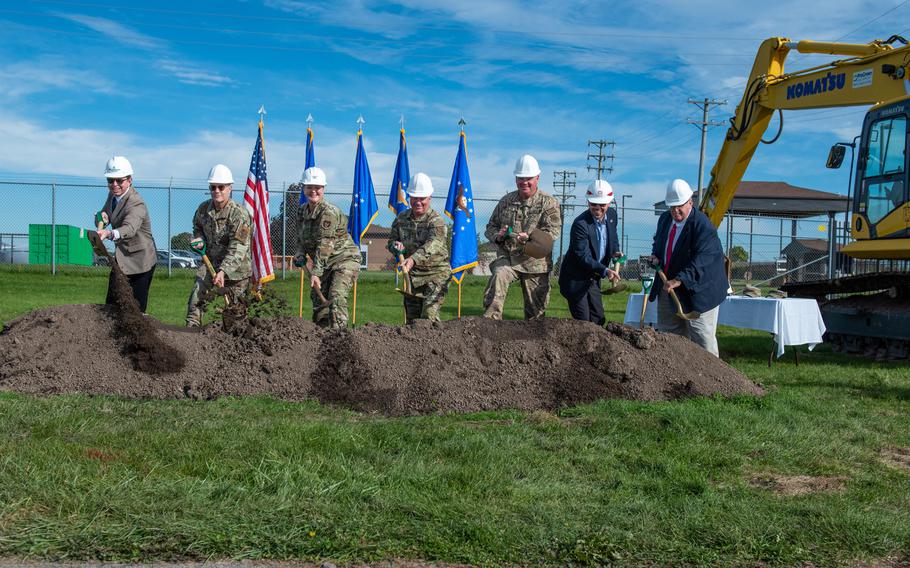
[{"x": 873, "y": 73}]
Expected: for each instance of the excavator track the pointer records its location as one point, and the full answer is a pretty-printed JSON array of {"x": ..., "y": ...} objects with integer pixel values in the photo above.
[{"x": 869, "y": 314}]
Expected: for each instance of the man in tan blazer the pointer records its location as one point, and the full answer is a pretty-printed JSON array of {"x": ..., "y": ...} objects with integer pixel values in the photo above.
[{"x": 131, "y": 230}]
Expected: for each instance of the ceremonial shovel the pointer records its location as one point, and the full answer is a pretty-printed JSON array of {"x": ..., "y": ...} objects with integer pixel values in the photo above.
[
  {"x": 407, "y": 289},
  {"x": 679, "y": 311},
  {"x": 96, "y": 241},
  {"x": 317, "y": 290},
  {"x": 208, "y": 264},
  {"x": 616, "y": 286}
]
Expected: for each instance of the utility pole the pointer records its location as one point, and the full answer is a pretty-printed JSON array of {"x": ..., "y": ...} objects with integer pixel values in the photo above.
[
  {"x": 703, "y": 124},
  {"x": 563, "y": 184},
  {"x": 600, "y": 157}
]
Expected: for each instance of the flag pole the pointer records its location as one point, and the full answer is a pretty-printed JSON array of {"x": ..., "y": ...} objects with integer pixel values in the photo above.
[
  {"x": 300, "y": 312},
  {"x": 360, "y": 122},
  {"x": 459, "y": 299},
  {"x": 257, "y": 291}
]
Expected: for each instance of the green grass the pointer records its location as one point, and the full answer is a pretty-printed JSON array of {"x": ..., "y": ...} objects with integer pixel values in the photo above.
[
  {"x": 25, "y": 288},
  {"x": 619, "y": 482}
]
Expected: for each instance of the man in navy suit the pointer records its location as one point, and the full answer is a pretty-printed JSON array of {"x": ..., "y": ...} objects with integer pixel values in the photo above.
[
  {"x": 592, "y": 245},
  {"x": 688, "y": 249}
]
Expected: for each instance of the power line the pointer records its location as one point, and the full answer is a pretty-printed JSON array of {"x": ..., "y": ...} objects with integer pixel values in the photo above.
[
  {"x": 880, "y": 16},
  {"x": 600, "y": 157},
  {"x": 563, "y": 183},
  {"x": 595, "y": 34},
  {"x": 703, "y": 124}
]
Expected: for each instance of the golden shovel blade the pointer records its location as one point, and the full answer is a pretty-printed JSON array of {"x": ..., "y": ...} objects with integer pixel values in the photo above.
[
  {"x": 615, "y": 288},
  {"x": 539, "y": 245},
  {"x": 97, "y": 244},
  {"x": 407, "y": 289}
]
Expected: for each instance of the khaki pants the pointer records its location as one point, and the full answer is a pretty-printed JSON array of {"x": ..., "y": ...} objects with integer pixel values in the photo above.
[
  {"x": 702, "y": 331},
  {"x": 535, "y": 289}
]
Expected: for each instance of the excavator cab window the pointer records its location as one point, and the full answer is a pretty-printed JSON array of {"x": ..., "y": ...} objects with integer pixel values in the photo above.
[
  {"x": 883, "y": 168},
  {"x": 886, "y": 145}
]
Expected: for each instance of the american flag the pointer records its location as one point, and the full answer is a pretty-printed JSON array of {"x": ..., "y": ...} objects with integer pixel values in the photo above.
[{"x": 256, "y": 199}]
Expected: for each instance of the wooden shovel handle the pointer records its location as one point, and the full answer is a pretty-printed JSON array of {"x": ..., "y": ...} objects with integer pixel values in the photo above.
[
  {"x": 317, "y": 289},
  {"x": 644, "y": 306},
  {"x": 208, "y": 264},
  {"x": 679, "y": 310}
]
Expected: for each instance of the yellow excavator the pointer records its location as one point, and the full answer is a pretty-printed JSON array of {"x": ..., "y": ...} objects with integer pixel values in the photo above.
[{"x": 864, "y": 313}]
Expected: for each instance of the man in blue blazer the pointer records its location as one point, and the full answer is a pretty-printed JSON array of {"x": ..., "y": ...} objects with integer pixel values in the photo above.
[
  {"x": 688, "y": 249},
  {"x": 592, "y": 245}
]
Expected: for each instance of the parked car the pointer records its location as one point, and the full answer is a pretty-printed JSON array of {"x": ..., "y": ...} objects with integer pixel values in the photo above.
[
  {"x": 176, "y": 261},
  {"x": 188, "y": 255},
  {"x": 13, "y": 255}
]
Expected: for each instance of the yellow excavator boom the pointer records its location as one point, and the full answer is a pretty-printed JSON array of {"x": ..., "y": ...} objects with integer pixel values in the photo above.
[{"x": 873, "y": 73}]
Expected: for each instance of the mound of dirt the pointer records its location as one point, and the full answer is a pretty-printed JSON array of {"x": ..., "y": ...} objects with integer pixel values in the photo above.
[{"x": 457, "y": 366}]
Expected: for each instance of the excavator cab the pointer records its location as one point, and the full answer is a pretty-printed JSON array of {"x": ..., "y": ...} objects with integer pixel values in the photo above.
[{"x": 881, "y": 205}]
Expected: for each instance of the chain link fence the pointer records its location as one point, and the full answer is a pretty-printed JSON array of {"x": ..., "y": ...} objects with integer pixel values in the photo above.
[{"x": 43, "y": 223}]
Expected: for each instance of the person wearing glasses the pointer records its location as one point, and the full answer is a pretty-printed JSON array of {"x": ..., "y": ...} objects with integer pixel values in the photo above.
[
  {"x": 130, "y": 230},
  {"x": 593, "y": 244},
  {"x": 686, "y": 247},
  {"x": 222, "y": 231}
]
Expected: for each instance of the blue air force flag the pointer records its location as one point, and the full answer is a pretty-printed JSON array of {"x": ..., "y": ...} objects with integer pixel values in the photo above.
[
  {"x": 398, "y": 200},
  {"x": 310, "y": 159},
  {"x": 363, "y": 201},
  {"x": 460, "y": 209}
]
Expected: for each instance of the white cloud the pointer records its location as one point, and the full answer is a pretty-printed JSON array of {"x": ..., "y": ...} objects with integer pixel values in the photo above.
[
  {"x": 191, "y": 75},
  {"x": 46, "y": 74},
  {"x": 116, "y": 32}
]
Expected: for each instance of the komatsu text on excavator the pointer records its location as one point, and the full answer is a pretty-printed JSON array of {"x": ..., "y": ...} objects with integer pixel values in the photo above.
[{"x": 867, "y": 313}]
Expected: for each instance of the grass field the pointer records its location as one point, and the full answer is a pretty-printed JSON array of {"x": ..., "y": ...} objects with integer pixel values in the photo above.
[{"x": 616, "y": 482}]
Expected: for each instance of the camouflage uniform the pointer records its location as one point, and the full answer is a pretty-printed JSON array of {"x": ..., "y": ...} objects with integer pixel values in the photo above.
[
  {"x": 227, "y": 236},
  {"x": 540, "y": 211},
  {"x": 323, "y": 235},
  {"x": 424, "y": 240}
]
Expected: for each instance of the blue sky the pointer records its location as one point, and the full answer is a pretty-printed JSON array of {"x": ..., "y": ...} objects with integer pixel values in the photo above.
[{"x": 175, "y": 86}]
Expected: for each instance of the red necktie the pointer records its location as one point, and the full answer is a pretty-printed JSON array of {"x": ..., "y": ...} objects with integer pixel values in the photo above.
[{"x": 670, "y": 245}]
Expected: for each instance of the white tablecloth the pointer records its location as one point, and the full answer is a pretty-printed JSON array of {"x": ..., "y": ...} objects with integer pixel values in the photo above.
[{"x": 793, "y": 321}]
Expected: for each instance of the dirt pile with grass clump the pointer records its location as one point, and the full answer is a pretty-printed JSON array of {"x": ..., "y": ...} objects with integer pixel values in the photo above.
[{"x": 465, "y": 365}]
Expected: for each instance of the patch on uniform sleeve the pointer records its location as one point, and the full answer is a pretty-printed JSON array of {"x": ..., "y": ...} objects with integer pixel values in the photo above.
[
  {"x": 326, "y": 223},
  {"x": 243, "y": 233}
]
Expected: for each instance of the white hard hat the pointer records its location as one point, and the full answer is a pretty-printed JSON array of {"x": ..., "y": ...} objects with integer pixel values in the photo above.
[
  {"x": 313, "y": 176},
  {"x": 220, "y": 174},
  {"x": 527, "y": 167},
  {"x": 599, "y": 192},
  {"x": 118, "y": 167},
  {"x": 420, "y": 186},
  {"x": 678, "y": 192}
]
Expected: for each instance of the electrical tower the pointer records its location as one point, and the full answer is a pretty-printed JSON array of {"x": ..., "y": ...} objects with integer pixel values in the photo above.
[
  {"x": 703, "y": 124},
  {"x": 563, "y": 185},
  {"x": 600, "y": 158}
]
